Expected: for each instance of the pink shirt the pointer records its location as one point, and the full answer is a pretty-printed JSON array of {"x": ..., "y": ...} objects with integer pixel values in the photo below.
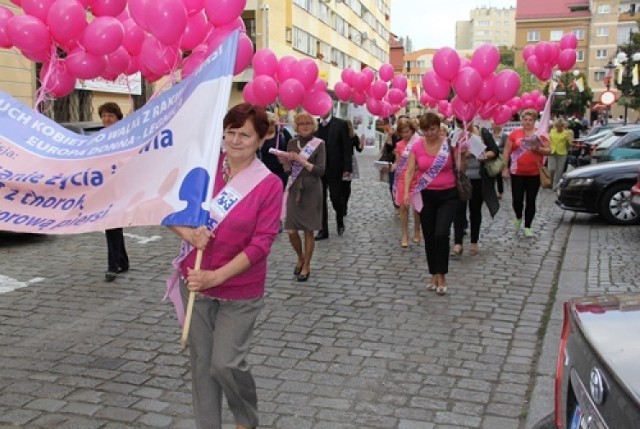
[
  {"x": 446, "y": 179},
  {"x": 251, "y": 227}
]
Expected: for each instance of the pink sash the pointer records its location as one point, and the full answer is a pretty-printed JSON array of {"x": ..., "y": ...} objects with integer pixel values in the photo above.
[
  {"x": 515, "y": 156},
  {"x": 428, "y": 176},
  {"x": 296, "y": 169},
  {"x": 221, "y": 205},
  {"x": 402, "y": 163}
]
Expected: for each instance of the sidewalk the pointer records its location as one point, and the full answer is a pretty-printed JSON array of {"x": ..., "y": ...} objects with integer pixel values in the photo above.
[{"x": 361, "y": 345}]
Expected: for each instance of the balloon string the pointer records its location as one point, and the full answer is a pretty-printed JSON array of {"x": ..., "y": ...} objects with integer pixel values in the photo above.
[
  {"x": 42, "y": 94},
  {"x": 131, "y": 103}
]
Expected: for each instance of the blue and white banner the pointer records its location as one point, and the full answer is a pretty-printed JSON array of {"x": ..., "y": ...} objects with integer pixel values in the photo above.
[{"x": 154, "y": 167}]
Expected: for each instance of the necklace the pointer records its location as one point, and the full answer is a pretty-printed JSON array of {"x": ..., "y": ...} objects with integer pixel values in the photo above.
[{"x": 226, "y": 170}]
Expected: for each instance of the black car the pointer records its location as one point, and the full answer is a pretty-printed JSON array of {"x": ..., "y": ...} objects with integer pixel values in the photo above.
[
  {"x": 598, "y": 375},
  {"x": 603, "y": 189}
]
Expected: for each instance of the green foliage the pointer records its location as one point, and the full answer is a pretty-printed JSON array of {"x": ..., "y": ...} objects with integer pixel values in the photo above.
[
  {"x": 630, "y": 92},
  {"x": 528, "y": 82},
  {"x": 507, "y": 56},
  {"x": 572, "y": 102}
]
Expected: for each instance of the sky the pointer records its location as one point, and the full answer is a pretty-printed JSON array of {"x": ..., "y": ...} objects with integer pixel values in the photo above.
[{"x": 432, "y": 23}]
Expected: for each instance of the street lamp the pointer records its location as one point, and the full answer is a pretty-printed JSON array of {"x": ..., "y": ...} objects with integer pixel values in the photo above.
[{"x": 607, "y": 81}]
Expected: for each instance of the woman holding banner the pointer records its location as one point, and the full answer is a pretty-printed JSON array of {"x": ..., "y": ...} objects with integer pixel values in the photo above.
[
  {"x": 525, "y": 149},
  {"x": 230, "y": 282},
  {"x": 435, "y": 196},
  {"x": 305, "y": 161}
]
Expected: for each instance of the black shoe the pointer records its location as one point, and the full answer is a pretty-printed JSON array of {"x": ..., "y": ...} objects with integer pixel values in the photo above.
[
  {"x": 296, "y": 271},
  {"x": 340, "y": 230},
  {"x": 122, "y": 270},
  {"x": 110, "y": 276},
  {"x": 322, "y": 235},
  {"x": 303, "y": 277}
]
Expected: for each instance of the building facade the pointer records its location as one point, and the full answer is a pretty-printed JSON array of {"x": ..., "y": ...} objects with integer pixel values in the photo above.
[{"x": 487, "y": 25}]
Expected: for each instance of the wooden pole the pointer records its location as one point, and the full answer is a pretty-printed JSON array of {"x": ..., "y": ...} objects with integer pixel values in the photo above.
[{"x": 184, "y": 341}]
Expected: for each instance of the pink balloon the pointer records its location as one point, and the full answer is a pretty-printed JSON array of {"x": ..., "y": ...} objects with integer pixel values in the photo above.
[
  {"x": 485, "y": 59},
  {"x": 306, "y": 72},
  {"x": 17, "y": 2},
  {"x": 543, "y": 52},
  {"x": 265, "y": 90},
  {"x": 319, "y": 85},
  {"x": 533, "y": 65},
  {"x": 379, "y": 90},
  {"x": 28, "y": 33},
  {"x": 133, "y": 66},
  {"x": 535, "y": 94},
  {"x": 359, "y": 81},
  {"x": 158, "y": 58},
  {"x": 374, "y": 106},
  {"x": 488, "y": 109},
  {"x": 215, "y": 39},
  {"x": 369, "y": 74},
  {"x": 133, "y": 36},
  {"x": 167, "y": 20},
  {"x": 265, "y": 62},
  {"x": 195, "y": 31},
  {"x": 38, "y": 56},
  {"x": 103, "y": 35},
  {"x": 66, "y": 20},
  {"x": 5, "y": 13},
  {"x": 291, "y": 93},
  {"x": 506, "y": 85},
  {"x": 222, "y": 12},
  {"x": 286, "y": 67},
  {"x": 395, "y": 96},
  {"x": 5, "y": 42},
  {"x": 446, "y": 63},
  {"x": 247, "y": 93},
  {"x": 193, "y": 7},
  {"x": 545, "y": 74},
  {"x": 467, "y": 84},
  {"x": 317, "y": 103},
  {"x": 528, "y": 51},
  {"x": 244, "y": 55},
  {"x": 117, "y": 61},
  {"x": 554, "y": 50},
  {"x": 502, "y": 115},
  {"x": 541, "y": 100},
  {"x": 342, "y": 90},
  {"x": 347, "y": 76},
  {"x": 359, "y": 97},
  {"x": 568, "y": 41},
  {"x": 485, "y": 93},
  {"x": 399, "y": 82},
  {"x": 236, "y": 24},
  {"x": 138, "y": 11},
  {"x": 567, "y": 59},
  {"x": 435, "y": 86},
  {"x": 443, "y": 107},
  {"x": 56, "y": 80},
  {"x": 463, "y": 110},
  {"x": 525, "y": 97},
  {"x": 84, "y": 65},
  {"x": 192, "y": 62},
  {"x": 108, "y": 7},
  {"x": 386, "y": 72},
  {"x": 37, "y": 8}
]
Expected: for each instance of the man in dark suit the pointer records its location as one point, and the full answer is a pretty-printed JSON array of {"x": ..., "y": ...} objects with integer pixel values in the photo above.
[{"x": 339, "y": 152}]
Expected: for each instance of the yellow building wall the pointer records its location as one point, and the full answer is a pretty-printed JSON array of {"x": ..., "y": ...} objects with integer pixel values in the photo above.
[{"x": 16, "y": 72}]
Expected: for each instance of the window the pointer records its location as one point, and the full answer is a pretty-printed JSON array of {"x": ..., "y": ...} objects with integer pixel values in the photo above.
[
  {"x": 579, "y": 34},
  {"x": 598, "y": 76},
  {"x": 601, "y": 54},
  {"x": 604, "y": 8},
  {"x": 533, "y": 36},
  {"x": 483, "y": 22},
  {"x": 304, "y": 42},
  {"x": 555, "y": 35},
  {"x": 579, "y": 56},
  {"x": 603, "y": 31}
]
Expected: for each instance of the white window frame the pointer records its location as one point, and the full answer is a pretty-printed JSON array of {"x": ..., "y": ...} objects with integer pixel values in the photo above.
[
  {"x": 533, "y": 36},
  {"x": 555, "y": 35},
  {"x": 579, "y": 56},
  {"x": 602, "y": 32},
  {"x": 604, "y": 8},
  {"x": 579, "y": 34},
  {"x": 599, "y": 76},
  {"x": 601, "y": 54}
]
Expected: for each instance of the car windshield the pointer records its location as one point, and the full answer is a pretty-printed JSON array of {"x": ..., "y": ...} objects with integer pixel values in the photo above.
[{"x": 607, "y": 142}]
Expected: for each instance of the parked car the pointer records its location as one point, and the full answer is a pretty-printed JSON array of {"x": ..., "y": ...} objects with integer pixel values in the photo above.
[
  {"x": 83, "y": 127},
  {"x": 603, "y": 189},
  {"x": 598, "y": 376},
  {"x": 635, "y": 195},
  {"x": 581, "y": 149},
  {"x": 624, "y": 143},
  {"x": 603, "y": 128}
]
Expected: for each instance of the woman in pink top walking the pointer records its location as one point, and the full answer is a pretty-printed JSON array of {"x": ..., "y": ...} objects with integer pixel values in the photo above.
[
  {"x": 231, "y": 280},
  {"x": 435, "y": 196}
]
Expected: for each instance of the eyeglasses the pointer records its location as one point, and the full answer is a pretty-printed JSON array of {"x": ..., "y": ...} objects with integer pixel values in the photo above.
[{"x": 300, "y": 124}]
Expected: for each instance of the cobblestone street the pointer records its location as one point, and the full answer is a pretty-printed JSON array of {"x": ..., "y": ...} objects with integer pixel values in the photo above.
[{"x": 361, "y": 345}]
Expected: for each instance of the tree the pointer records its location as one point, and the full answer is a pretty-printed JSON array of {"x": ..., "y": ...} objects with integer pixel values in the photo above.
[
  {"x": 507, "y": 56},
  {"x": 630, "y": 92},
  {"x": 568, "y": 99},
  {"x": 528, "y": 82}
]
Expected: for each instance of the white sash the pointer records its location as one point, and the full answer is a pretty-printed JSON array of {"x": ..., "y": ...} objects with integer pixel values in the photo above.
[
  {"x": 296, "y": 169},
  {"x": 221, "y": 205},
  {"x": 427, "y": 177},
  {"x": 402, "y": 163},
  {"x": 515, "y": 156}
]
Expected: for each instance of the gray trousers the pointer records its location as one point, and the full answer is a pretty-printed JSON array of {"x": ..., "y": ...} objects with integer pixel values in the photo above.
[
  {"x": 219, "y": 340},
  {"x": 556, "y": 165}
]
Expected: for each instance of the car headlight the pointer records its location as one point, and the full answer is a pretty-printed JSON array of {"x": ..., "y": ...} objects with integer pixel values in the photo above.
[{"x": 580, "y": 182}]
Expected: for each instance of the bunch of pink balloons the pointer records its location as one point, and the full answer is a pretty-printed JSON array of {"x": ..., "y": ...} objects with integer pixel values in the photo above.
[
  {"x": 382, "y": 97},
  {"x": 290, "y": 81},
  {"x": 478, "y": 89},
  {"x": 86, "y": 39},
  {"x": 542, "y": 57}
]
